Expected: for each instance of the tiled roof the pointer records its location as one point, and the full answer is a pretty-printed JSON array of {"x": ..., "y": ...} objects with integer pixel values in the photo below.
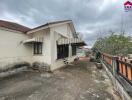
[
  {"x": 13, "y": 26},
  {"x": 24, "y": 29}
]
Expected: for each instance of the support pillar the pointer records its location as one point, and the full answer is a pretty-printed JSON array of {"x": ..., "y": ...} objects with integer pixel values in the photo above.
[{"x": 70, "y": 50}]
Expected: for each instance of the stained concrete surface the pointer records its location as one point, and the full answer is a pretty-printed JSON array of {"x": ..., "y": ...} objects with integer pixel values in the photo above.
[{"x": 78, "y": 81}]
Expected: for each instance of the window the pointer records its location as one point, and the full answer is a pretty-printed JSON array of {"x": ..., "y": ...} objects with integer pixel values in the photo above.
[
  {"x": 38, "y": 48},
  {"x": 62, "y": 51}
]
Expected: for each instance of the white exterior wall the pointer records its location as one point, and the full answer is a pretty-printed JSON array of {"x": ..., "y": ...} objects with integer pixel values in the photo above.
[
  {"x": 12, "y": 49},
  {"x": 46, "y": 51},
  {"x": 66, "y": 31}
]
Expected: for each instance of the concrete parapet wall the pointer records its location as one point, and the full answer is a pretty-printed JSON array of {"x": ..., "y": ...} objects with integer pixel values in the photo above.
[{"x": 118, "y": 87}]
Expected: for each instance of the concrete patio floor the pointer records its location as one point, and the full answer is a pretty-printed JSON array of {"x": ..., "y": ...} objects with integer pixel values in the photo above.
[{"x": 78, "y": 81}]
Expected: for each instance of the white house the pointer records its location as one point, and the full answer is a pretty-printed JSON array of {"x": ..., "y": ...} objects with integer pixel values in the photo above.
[{"x": 49, "y": 43}]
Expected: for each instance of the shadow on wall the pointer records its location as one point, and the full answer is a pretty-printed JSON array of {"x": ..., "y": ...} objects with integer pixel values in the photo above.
[
  {"x": 14, "y": 65},
  {"x": 13, "y": 68}
]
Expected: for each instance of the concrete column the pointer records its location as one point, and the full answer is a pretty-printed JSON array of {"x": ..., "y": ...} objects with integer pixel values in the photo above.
[
  {"x": 114, "y": 66},
  {"x": 70, "y": 50},
  {"x": 53, "y": 46}
]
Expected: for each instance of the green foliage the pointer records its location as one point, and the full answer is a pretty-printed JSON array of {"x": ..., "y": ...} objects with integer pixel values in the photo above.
[{"x": 114, "y": 45}]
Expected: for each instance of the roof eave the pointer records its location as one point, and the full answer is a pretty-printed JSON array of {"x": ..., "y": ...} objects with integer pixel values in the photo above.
[
  {"x": 35, "y": 30},
  {"x": 11, "y": 30},
  {"x": 48, "y": 26}
]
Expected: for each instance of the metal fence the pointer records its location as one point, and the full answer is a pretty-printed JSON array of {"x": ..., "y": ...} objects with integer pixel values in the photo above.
[
  {"x": 125, "y": 70},
  {"x": 118, "y": 67}
]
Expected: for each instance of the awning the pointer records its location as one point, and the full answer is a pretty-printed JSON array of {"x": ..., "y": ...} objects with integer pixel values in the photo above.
[
  {"x": 33, "y": 40},
  {"x": 74, "y": 41}
]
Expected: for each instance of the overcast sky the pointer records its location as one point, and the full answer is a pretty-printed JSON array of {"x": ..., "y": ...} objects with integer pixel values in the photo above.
[{"x": 93, "y": 18}]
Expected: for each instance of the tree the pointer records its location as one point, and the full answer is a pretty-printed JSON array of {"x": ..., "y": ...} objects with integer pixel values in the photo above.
[{"x": 114, "y": 44}]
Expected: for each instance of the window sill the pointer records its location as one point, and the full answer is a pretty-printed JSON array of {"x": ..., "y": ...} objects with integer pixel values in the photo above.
[
  {"x": 37, "y": 54},
  {"x": 62, "y": 58},
  {"x": 65, "y": 58}
]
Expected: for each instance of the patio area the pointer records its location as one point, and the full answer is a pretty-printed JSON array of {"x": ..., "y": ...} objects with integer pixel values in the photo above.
[{"x": 80, "y": 80}]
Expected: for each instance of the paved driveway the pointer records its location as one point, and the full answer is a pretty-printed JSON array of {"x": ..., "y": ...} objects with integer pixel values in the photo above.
[{"x": 77, "y": 81}]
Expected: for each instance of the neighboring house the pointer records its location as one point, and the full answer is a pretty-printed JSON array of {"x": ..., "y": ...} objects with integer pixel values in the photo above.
[
  {"x": 83, "y": 51},
  {"x": 49, "y": 43}
]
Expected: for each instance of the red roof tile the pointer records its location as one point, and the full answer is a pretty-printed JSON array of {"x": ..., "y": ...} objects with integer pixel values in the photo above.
[{"x": 13, "y": 26}]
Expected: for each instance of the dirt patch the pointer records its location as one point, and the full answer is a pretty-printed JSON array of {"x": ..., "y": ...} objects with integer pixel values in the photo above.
[{"x": 78, "y": 81}]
